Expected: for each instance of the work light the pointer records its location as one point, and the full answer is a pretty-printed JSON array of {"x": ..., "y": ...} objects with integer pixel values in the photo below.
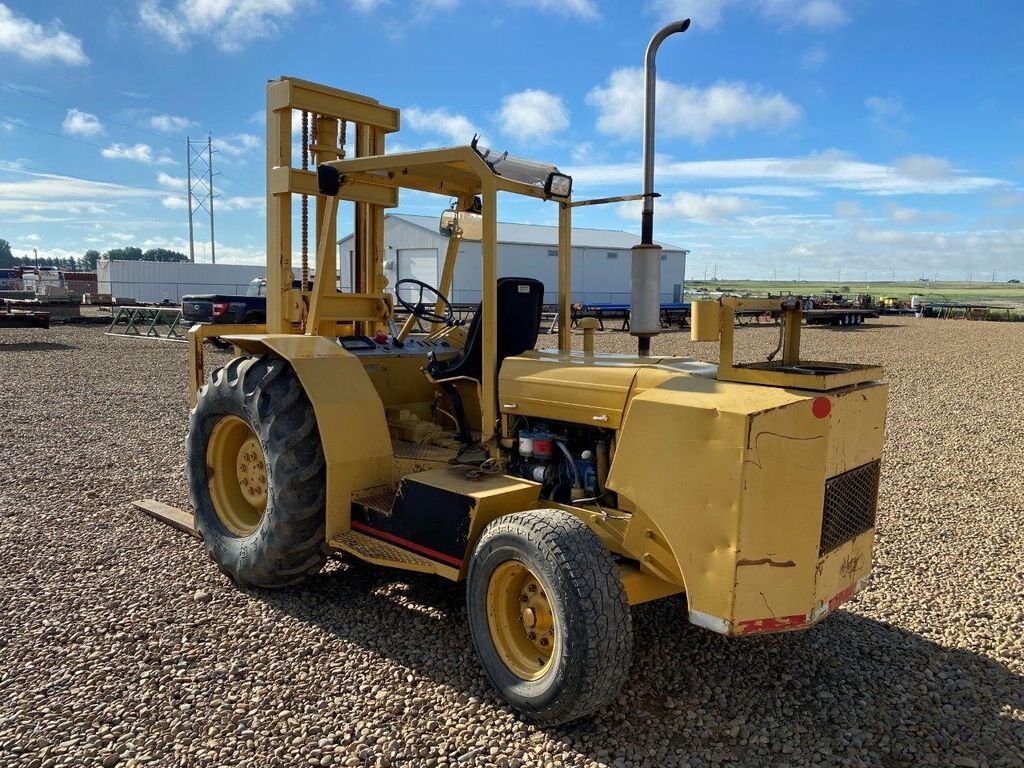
[{"x": 558, "y": 185}]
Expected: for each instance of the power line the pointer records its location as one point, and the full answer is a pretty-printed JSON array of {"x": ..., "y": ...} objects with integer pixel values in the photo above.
[
  {"x": 15, "y": 168},
  {"x": 11, "y": 88},
  {"x": 22, "y": 124}
]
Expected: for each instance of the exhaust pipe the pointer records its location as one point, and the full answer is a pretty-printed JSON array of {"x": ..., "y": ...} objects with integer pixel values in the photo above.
[{"x": 645, "y": 298}]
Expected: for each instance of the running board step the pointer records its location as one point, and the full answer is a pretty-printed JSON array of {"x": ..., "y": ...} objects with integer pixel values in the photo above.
[
  {"x": 380, "y": 503},
  {"x": 379, "y": 552}
]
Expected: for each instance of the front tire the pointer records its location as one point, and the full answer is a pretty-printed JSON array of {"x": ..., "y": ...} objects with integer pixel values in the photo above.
[
  {"x": 549, "y": 615},
  {"x": 256, "y": 473}
]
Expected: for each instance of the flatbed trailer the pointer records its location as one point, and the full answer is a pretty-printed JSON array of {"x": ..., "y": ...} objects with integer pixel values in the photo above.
[
  {"x": 24, "y": 319},
  {"x": 838, "y": 315}
]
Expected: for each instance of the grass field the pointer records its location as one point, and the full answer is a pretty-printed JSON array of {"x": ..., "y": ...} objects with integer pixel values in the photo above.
[{"x": 997, "y": 294}]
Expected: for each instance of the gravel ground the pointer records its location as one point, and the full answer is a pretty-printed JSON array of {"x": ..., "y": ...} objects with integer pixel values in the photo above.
[{"x": 121, "y": 644}]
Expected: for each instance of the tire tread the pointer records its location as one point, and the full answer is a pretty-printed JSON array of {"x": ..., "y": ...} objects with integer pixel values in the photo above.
[{"x": 585, "y": 571}]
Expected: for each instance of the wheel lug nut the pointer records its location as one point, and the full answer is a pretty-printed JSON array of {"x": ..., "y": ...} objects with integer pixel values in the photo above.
[{"x": 544, "y": 641}]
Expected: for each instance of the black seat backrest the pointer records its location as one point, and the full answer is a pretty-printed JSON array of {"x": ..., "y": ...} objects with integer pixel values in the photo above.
[{"x": 520, "y": 302}]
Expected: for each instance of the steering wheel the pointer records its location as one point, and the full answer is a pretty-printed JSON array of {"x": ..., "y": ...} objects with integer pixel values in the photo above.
[{"x": 425, "y": 310}]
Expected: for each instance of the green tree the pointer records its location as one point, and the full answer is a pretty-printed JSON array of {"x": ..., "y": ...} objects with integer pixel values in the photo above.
[
  {"x": 6, "y": 257},
  {"x": 89, "y": 260},
  {"x": 163, "y": 254},
  {"x": 130, "y": 253}
]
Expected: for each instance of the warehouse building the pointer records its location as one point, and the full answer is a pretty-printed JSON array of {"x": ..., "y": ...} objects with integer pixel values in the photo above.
[
  {"x": 156, "y": 281},
  {"x": 600, "y": 259}
]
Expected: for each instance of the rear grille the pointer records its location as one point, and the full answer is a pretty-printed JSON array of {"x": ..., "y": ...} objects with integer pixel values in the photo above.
[{"x": 851, "y": 500}]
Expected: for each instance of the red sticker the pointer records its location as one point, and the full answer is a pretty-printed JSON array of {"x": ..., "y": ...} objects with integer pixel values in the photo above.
[{"x": 821, "y": 407}]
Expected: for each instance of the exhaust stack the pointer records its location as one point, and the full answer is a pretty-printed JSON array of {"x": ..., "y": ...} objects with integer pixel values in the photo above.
[{"x": 645, "y": 298}]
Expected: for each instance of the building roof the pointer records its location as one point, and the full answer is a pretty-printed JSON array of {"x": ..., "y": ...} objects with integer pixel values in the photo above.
[{"x": 539, "y": 234}]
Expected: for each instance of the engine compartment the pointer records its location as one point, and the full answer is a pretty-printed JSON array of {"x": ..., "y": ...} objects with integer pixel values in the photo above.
[{"x": 570, "y": 461}]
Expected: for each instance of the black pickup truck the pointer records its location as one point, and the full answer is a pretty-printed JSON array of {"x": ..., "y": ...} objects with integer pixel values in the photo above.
[{"x": 219, "y": 309}]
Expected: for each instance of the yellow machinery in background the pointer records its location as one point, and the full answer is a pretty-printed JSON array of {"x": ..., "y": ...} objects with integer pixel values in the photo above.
[{"x": 563, "y": 486}]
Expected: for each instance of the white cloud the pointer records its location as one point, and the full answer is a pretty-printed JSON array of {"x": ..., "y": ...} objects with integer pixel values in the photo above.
[
  {"x": 140, "y": 153},
  {"x": 79, "y": 123},
  {"x": 175, "y": 202},
  {"x": 901, "y": 215},
  {"x": 705, "y": 14},
  {"x": 832, "y": 169},
  {"x": 241, "y": 203},
  {"x": 771, "y": 190},
  {"x": 170, "y": 123},
  {"x": 813, "y": 58},
  {"x": 688, "y": 205},
  {"x": 694, "y": 113},
  {"x": 849, "y": 209},
  {"x": 884, "y": 106},
  {"x": 924, "y": 168},
  {"x": 584, "y": 9},
  {"x": 238, "y": 145},
  {"x": 533, "y": 114},
  {"x": 814, "y": 14},
  {"x": 41, "y": 194},
  {"x": 24, "y": 38},
  {"x": 888, "y": 114},
  {"x": 231, "y": 24},
  {"x": 171, "y": 182},
  {"x": 1012, "y": 199},
  {"x": 366, "y": 6},
  {"x": 458, "y": 129}
]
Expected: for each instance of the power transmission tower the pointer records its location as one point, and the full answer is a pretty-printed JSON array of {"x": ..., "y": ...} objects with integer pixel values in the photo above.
[{"x": 200, "y": 190}]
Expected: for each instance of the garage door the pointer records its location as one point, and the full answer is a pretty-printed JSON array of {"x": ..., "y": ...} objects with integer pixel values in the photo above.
[{"x": 417, "y": 264}]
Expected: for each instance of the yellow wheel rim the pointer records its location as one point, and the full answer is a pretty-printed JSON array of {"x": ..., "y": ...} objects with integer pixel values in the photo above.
[
  {"x": 237, "y": 475},
  {"x": 522, "y": 625}
]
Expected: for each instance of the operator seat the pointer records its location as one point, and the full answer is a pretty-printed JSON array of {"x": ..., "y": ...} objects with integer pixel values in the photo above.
[{"x": 520, "y": 302}]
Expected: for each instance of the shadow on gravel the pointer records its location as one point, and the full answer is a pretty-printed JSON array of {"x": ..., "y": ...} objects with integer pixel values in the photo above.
[
  {"x": 852, "y": 328},
  {"x": 35, "y": 346},
  {"x": 852, "y": 688}
]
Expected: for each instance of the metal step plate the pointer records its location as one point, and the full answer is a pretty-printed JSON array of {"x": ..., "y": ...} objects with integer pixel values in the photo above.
[{"x": 382, "y": 553}]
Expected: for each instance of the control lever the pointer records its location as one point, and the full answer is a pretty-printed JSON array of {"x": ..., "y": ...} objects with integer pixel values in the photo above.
[{"x": 394, "y": 333}]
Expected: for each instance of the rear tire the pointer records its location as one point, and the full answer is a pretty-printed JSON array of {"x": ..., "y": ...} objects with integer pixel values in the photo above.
[
  {"x": 546, "y": 575},
  {"x": 256, "y": 473}
]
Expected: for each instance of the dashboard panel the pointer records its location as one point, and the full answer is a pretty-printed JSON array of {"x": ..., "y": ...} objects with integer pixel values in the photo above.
[{"x": 365, "y": 346}]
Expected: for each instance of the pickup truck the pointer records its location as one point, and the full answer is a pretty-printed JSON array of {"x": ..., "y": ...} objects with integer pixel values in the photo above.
[{"x": 219, "y": 309}]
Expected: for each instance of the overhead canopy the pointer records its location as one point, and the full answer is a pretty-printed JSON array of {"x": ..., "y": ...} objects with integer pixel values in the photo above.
[{"x": 449, "y": 171}]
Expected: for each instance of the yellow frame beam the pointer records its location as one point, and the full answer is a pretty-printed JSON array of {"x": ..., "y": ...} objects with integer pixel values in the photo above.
[{"x": 329, "y": 106}]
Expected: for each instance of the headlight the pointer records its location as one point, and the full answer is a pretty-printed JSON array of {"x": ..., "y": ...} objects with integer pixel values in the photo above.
[{"x": 558, "y": 185}]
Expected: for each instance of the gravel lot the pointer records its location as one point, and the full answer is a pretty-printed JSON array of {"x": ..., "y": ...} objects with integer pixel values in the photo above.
[{"x": 121, "y": 644}]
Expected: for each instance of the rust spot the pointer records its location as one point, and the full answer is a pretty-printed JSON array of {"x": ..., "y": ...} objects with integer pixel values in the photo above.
[
  {"x": 850, "y": 566},
  {"x": 767, "y": 561}
]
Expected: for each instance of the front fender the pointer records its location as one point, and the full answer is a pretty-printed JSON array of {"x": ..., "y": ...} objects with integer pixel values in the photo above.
[{"x": 349, "y": 414}]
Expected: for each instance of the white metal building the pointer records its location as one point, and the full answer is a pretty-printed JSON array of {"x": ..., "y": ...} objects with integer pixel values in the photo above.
[
  {"x": 600, "y": 259},
  {"x": 155, "y": 281}
]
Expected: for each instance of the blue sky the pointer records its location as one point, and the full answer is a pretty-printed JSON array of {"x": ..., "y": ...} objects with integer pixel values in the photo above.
[{"x": 831, "y": 139}]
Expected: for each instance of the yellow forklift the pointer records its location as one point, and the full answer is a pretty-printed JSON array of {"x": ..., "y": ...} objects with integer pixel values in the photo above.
[{"x": 563, "y": 486}]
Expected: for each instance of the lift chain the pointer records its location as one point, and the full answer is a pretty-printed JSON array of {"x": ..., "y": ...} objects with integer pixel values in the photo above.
[{"x": 305, "y": 203}]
